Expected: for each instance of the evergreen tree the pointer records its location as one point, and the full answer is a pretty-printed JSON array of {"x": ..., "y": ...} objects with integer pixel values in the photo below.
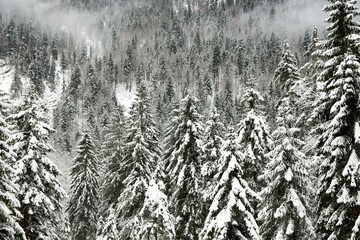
[
  {"x": 228, "y": 103},
  {"x": 231, "y": 215},
  {"x": 156, "y": 220},
  {"x": 312, "y": 53},
  {"x": 55, "y": 47},
  {"x": 112, "y": 152},
  {"x": 114, "y": 175},
  {"x": 141, "y": 153},
  {"x": 308, "y": 84},
  {"x": 51, "y": 75},
  {"x": 67, "y": 114},
  {"x": 9, "y": 203},
  {"x": 36, "y": 80},
  {"x": 213, "y": 140},
  {"x": 254, "y": 136},
  {"x": 208, "y": 85},
  {"x": 40, "y": 192},
  {"x": 216, "y": 60},
  {"x": 75, "y": 83},
  {"x": 285, "y": 209},
  {"x": 287, "y": 72},
  {"x": 240, "y": 60},
  {"x": 336, "y": 112},
  {"x": 170, "y": 91},
  {"x": 16, "y": 85},
  {"x": 183, "y": 167},
  {"x": 128, "y": 66},
  {"x": 84, "y": 200},
  {"x": 63, "y": 61},
  {"x": 93, "y": 84}
]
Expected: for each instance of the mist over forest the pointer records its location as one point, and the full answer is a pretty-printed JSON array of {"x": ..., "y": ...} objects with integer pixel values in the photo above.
[{"x": 179, "y": 119}]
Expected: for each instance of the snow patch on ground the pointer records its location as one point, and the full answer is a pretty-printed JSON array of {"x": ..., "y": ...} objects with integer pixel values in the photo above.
[
  {"x": 124, "y": 97},
  {"x": 6, "y": 76},
  {"x": 7, "y": 73},
  {"x": 63, "y": 161}
]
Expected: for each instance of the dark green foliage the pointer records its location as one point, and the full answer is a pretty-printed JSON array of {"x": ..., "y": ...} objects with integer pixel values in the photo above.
[
  {"x": 40, "y": 191},
  {"x": 254, "y": 136},
  {"x": 16, "y": 85},
  {"x": 84, "y": 200},
  {"x": 183, "y": 165},
  {"x": 231, "y": 215},
  {"x": 285, "y": 210},
  {"x": 9, "y": 203},
  {"x": 287, "y": 71},
  {"x": 73, "y": 88},
  {"x": 141, "y": 153},
  {"x": 228, "y": 103},
  {"x": 336, "y": 113},
  {"x": 113, "y": 153},
  {"x": 216, "y": 60},
  {"x": 36, "y": 78}
]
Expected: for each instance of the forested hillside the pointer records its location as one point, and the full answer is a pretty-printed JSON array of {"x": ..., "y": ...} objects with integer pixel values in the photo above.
[{"x": 159, "y": 119}]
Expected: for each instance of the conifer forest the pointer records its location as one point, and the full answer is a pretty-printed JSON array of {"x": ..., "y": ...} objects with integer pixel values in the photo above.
[{"x": 179, "y": 120}]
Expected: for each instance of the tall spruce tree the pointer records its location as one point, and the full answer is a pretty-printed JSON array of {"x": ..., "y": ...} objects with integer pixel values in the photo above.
[
  {"x": 285, "y": 210},
  {"x": 140, "y": 157},
  {"x": 40, "y": 192},
  {"x": 111, "y": 185},
  {"x": 254, "y": 136},
  {"x": 336, "y": 113},
  {"x": 9, "y": 203},
  {"x": 287, "y": 73},
  {"x": 16, "y": 85},
  {"x": 308, "y": 85},
  {"x": 231, "y": 214},
  {"x": 183, "y": 167},
  {"x": 228, "y": 103},
  {"x": 156, "y": 220},
  {"x": 213, "y": 140},
  {"x": 84, "y": 199}
]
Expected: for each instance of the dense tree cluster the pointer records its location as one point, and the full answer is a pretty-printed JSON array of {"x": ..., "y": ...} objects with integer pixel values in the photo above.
[{"x": 210, "y": 148}]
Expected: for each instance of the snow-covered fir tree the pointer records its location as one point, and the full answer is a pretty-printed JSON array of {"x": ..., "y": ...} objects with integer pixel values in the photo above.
[
  {"x": 254, "y": 136},
  {"x": 307, "y": 86},
  {"x": 84, "y": 196},
  {"x": 287, "y": 73},
  {"x": 183, "y": 168},
  {"x": 336, "y": 112},
  {"x": 40, "y": 192},
  {"x": 285, "y": 210},
  {"x": 141, "y": 153},
  {"x": 111, "y": 185},
  {"x": 231, "y": 215},
  {"x": 174, "y": 46},
  {"x": 156, "y": 220},
  {"x": 112, "y": 149},
  {"x": 9, "y": 204},
  {"x": 213, "y": 140}
]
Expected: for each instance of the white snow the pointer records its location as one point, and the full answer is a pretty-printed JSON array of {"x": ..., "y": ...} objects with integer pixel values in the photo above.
[
  {"x": 124, "y": 97},
  {"x": 7, "y": 75},
  {"x": 288, "y": 175}
]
